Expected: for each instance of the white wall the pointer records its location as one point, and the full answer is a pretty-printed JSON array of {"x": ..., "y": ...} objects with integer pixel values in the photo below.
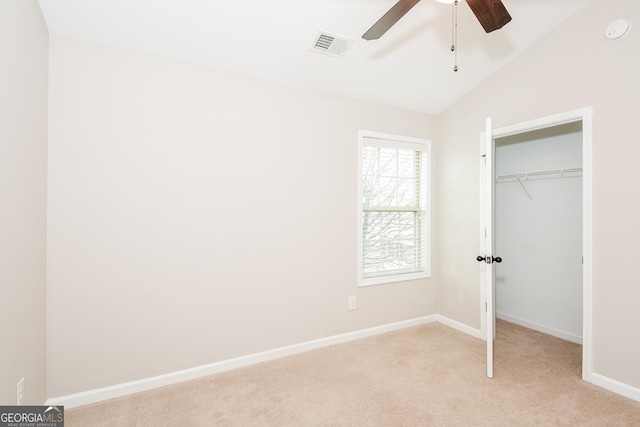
[
  {"x": 23, "y": 198},
  {"x": 197, "y": 216},
  {"x": 538, "y": 232},
  {"x": 572, "y": 67}
]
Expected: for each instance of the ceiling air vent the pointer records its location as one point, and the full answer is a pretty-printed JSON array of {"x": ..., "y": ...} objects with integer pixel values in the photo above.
[{"x": 331, "y": 44}]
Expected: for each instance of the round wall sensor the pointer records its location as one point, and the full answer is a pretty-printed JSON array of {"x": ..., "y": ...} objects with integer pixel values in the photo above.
[{"x": 618, "y": 29}]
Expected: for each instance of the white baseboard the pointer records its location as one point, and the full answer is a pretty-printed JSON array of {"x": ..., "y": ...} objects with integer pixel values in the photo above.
[
  {"x": 460, "y": 326},
  {"x": 568, "y": 336},
  {"x": 118, "y": 390},
  {"x": 615, "y": 386}
]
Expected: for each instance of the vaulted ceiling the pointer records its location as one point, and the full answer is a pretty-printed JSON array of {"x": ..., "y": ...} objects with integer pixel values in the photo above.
[{"x": 411, "y": 66}]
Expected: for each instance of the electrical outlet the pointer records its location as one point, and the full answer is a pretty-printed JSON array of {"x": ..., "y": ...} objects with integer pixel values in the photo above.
[
  {"x": 20, "y": 391},
  {"x": 352, "y": 303}
]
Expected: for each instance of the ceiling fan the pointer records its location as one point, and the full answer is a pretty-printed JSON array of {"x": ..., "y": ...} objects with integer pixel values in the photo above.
[{"x": 491, "y": 13}]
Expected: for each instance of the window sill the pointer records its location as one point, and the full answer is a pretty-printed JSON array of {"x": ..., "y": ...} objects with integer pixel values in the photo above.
[{"x": 391, "y": 279}]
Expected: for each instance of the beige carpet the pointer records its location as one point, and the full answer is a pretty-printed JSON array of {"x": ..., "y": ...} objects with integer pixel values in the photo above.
[{"x": 428, "y": 375}]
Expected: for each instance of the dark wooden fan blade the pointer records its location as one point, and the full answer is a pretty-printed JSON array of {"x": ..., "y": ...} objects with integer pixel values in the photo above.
[
  {"x": 491, "y": 13},
  {"x": 389, "y": 18}
]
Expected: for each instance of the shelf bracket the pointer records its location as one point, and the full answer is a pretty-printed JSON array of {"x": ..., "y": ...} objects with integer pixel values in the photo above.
[{"x": 524, "y": 188}]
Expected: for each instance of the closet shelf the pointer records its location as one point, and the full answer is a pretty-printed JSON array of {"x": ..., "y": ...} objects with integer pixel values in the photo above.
[{"x": 548, "y": 174}]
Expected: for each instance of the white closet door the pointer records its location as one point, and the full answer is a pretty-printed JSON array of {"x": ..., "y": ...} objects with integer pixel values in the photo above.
[{"x": 488, "y": 252}]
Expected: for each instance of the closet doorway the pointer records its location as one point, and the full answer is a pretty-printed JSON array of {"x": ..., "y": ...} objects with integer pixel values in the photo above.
[
  {"x": 538, "y": 230},
  {"x": 542, "y": 163}
]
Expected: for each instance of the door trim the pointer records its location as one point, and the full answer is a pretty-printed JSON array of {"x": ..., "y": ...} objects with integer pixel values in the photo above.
[{"x": 583, "y": 115}]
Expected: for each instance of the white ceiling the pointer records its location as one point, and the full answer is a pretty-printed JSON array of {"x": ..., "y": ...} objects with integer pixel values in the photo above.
[{"x": 411, "y": 66}]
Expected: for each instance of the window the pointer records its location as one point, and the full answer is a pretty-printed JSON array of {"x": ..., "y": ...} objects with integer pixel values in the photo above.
[{"x": 393, "y": 180}]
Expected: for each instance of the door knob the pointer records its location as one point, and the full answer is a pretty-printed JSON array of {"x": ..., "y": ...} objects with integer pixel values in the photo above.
[{"x": 488, "y": 259}]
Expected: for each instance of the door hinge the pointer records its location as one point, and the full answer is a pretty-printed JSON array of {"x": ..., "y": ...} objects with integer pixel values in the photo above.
[{"x": 486, "y": 308}]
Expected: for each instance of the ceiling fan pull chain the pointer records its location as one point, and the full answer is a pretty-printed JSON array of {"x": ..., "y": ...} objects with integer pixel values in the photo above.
[
  {"x": 455, "y": 35},
  {"x": 453, "y": 26}
]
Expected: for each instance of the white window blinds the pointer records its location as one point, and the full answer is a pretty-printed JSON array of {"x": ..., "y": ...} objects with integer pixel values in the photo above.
[{"x": 394, "y": 203}]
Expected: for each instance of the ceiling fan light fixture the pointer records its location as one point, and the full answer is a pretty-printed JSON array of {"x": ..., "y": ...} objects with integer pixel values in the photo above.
[{"x": 445, "y": 1}]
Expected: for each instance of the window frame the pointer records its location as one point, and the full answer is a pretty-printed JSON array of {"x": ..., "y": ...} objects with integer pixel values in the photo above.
[{"x": 404, "y": 142}]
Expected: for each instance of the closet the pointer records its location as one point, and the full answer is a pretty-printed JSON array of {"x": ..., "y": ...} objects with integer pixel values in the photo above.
[{"x": 538, "y": 230}]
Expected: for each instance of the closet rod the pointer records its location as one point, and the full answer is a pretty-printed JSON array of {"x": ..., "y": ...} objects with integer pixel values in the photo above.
[{"x": 548, "y": 174}]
